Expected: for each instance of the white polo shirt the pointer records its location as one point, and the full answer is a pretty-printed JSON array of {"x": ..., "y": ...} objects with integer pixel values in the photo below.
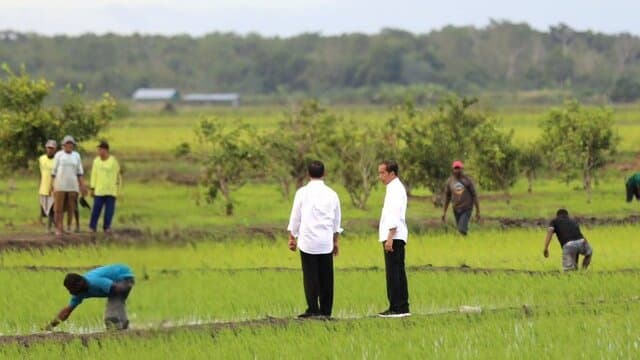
[
  {"x": 394, "y": 212},
  {"x": 315, "y": 217}
]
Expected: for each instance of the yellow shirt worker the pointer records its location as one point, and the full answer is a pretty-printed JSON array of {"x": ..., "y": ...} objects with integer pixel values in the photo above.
[
  {"x": 105, "y": 185},
  {"x": 45, "y": 163}
]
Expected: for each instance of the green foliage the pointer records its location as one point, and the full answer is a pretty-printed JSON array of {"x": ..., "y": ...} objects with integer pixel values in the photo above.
[
  {"x": 530, "y": 161},
  {"x": 183, "y": 149},
  {"x": 304, "y": 135},
  {"x": 360, "y": 151},
  {"x": 459, "y": 59},
  {"x": 26, "y": 123},
  {"x": 231, "y": 159},
  {"x": 578, "y": 141},
  {"x": 494, "y": 157}
]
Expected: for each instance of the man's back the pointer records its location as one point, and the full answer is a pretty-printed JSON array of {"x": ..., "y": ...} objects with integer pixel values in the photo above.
[
  {"x": 566, "y": 229},
  {"x": 316, "y": 217}
]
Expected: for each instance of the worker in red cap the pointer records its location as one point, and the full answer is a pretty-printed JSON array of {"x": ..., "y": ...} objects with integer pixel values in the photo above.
[{"x": 461, "y": 191}]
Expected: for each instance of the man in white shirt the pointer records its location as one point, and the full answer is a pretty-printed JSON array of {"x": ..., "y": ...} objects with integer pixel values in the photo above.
[
  {"x": 314, "y": 228},
  {"x": 67, "y": 181},
  {"x": 393, "y": 235}
]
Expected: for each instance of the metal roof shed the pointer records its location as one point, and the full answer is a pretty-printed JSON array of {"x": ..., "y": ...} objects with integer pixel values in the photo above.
[{"x": 156, "y": 94}]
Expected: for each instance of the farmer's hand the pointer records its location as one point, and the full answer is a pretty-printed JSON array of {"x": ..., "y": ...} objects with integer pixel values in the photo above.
[
  {"x": 545, "y": 253},
  {"x": 292, "y": 243},
  {"x": 92, "y": 193},
  {"x": 388, "y": 245},
  {"x": 50, "y": 326},
  {"x": 478, "y": 217},
  {"x": 444, "y": 218}
]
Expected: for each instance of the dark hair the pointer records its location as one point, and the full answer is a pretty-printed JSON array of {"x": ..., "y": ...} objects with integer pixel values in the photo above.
[
  {"x": 562, "y": 212},
  {"x": 316, "y": 169},
  {"x": 73, "y": 280},
  {"x": 390, "y": 166},
  {"x": 103, "y": 145}
]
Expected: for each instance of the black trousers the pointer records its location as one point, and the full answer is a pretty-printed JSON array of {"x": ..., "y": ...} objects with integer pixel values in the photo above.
[
  {"x": 317, "y": 273},
  {"x": 397, "y": 288}
]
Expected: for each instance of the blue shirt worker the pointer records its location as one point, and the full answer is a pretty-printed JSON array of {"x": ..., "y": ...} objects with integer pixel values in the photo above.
[{"x": 113, "y": 282}]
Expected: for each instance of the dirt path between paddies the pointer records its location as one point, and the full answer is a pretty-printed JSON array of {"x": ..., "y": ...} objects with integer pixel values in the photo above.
[
  {"x": 464, "y": 310},
  {"x": 132, "y": 236},
  {"x": 412, "y": 268}
]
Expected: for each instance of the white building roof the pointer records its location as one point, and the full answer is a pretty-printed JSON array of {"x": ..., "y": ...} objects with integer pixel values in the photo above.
[{"x": 156, "y": 94}]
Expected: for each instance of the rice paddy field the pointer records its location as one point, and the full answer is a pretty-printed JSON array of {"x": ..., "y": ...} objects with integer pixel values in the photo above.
[{"x": 209, "y": 286}]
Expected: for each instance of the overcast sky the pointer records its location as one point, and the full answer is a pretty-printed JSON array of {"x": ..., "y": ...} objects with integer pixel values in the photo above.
[{"x": 290, "y": 17}]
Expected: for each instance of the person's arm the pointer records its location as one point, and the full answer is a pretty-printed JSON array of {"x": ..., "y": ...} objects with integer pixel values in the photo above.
[
  {"x": 447, "y": 201},
  {"x": 80, "y": 174},
  {"x": 547, "y": 241},
  {"x": 294, "y": 221},
  {"x": 93, "y": 179},
  {"x": 388, "y": 244},
  {"x": 54, "y": 171},
  {"x": 62, "y": 316},
  {"x": 337, "y": 229},
  {"x": 476, "y": 201}
]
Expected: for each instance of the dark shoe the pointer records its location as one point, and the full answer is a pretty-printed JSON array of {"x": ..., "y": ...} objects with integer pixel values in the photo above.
[
  {"x": 308, "y": 315},
  {"x": 394, "y": 314}
]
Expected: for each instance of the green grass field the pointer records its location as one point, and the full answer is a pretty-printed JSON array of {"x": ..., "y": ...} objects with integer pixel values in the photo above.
[{"x": 208, "y": 284}]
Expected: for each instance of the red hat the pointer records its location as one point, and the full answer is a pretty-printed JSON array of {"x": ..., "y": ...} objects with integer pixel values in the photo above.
[{"x": 457, "y": 164}]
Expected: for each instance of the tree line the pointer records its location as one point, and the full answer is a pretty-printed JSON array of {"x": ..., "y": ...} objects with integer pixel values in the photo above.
[{"x": 350, "y": 67}]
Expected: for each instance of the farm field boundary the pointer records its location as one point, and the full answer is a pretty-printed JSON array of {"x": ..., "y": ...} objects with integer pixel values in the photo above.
[
  {"x": 130, "y": 236},
  {"x": 64, "y": 337}
]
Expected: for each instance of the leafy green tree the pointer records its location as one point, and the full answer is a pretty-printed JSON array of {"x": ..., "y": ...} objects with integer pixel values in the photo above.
[
  {"x": 26, "y": 122},
  {"x": 431, "y": 143},
  {"x": 304, "y": 135},
  {"x": 360, "y": 150},
  {"x": 231, "y": 159},
  {"x": 530, "y": 162},
  {"x": 579, "y": 141},
  {"x": 494, "y": 157}
]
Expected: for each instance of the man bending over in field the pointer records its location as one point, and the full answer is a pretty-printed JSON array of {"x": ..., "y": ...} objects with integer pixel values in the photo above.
[
  {"x": 112, "y": 281},
  {"x": 571, "y": 240}
]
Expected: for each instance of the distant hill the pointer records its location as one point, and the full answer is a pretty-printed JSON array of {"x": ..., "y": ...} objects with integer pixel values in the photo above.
[{"x": 501, "y": 57}]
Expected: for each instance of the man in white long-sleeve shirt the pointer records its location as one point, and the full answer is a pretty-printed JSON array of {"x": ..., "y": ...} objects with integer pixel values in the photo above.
[
  {"x": 393, "y": 236},
  {"x": 314, "y": 227}
]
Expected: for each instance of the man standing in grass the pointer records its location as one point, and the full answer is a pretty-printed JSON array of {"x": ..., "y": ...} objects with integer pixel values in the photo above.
[
  {"x": 314, "y": 228},
  {"x": 393, "y": 235},
  {"x": 105, "y": 183},
  {"x": 461, "y": 191},
  {"x": 45, "y": 163},
  {"x": 633, "y": 187},
  {"x": 113, "y": 282},
  {"x": 67, "y": 175},
  {"x": 571, "y": 240}
]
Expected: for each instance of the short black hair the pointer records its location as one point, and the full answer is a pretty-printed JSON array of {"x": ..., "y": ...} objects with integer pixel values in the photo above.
[
  {"x": 562, "y": 213},
  {"x": 316, "y": 169},
  {"x": 390, "y": 166},
  {"x": 104, "y": 144},
  {"x": 73, "y": 280}
]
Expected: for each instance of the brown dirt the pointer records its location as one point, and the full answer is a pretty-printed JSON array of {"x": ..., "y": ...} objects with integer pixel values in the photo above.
[{"x": 130, "y": 236}]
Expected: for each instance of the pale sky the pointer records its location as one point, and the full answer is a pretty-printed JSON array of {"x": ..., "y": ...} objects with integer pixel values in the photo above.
[{"x": 290, "y": 17}]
